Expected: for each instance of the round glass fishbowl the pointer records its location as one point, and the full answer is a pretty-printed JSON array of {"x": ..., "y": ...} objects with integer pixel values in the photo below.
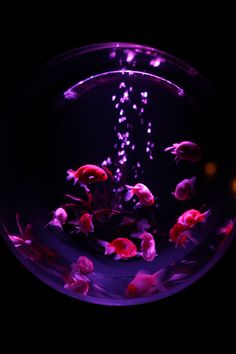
[{"x": 116, "y": 188}]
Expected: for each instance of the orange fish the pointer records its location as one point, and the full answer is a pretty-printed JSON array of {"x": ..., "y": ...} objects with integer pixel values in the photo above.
[
  {"x": 144, "y": 195},
  {"x": 82, "y": 266},
  {"x": 84, "y": 224},
  {"x": 145, "y": 284},
  {"x": 191, "y": 217},
  {"x": 180, "y": 234},
  {"x": 87, "y": 174},
  {"x": 123, "y": 248}
]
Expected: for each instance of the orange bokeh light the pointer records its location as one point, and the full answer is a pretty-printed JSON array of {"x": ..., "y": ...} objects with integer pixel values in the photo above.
[
  {"x": 210, "y": 169},
  {"x": 233, "y": 185}
]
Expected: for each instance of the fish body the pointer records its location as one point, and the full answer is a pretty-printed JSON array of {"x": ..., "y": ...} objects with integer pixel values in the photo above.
[
  {"x": 145, "y": 284},
  {"x": 87, "y": 174},
  {"x": 83, "y": 266},
  {"x": 144, "y": 195},
  {"x": 192, "y": 217},
  {"x": 59, "y": 219},
  {"x": 185, "y": 189},
  {"x": 122, "y": 247},
  {"x": 186, "y": 150},
  {"x": 84, "y": 224}
]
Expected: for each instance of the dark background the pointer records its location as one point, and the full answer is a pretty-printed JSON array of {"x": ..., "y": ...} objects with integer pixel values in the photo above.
[{"x": 201, "y": 315}]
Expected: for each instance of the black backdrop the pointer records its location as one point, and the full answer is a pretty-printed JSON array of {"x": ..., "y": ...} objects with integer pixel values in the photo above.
[{"x": 201, "y": 314}]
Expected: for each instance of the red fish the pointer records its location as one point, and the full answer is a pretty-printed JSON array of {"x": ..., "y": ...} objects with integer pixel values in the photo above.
[
  {"x": 83, "y": 265},
  {"x": 59, "y": 218},
  {"x": 186, "y": 150},
  {"x": 87, "y": 174},
  {"x": 184, "y": 189},
  {"x": 144, "y": 195},
  {"x": 228, "y": 228},
  {"x": 84, "y": 224},
  {"x": 122, "y": 247},
  {"x": 191, "y": 217},
  {"x": 145, "y": 284},
  {"x": 180, "y": 235},
  {"x": 24, "y": 237}
]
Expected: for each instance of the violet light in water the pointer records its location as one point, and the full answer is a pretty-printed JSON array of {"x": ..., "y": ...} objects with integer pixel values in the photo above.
[{"x": 123, "y": 201}]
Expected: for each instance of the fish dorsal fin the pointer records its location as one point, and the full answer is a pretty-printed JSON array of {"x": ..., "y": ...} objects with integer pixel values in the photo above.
[{"x": 141, "y": 272}]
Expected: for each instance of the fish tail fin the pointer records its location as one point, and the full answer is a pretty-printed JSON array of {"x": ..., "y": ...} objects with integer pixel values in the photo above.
[
  {"x": 4, "y": 227},
  {"x": 108, "y": 249},
  {"x": 55, "y": 223},
  {"x": 204, "y": 216},
  {"x": 221, "y": 230},
  {"x": 193, "y": 180},
  {"x": 77, "y": 229},
  {"x": 143, "y": 225},
  {"x": 137, "y": 234},
  {"x": 71, "y": 175},
  {"x": 139, "y": 254},
  {"x": 158, "y": 280},
  {"x": 191, "y": 238},
  {"x": 169, "y": 148},
  {"x": 129, "y": 193}
]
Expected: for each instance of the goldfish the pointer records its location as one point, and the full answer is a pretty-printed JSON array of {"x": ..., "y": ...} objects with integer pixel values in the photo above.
[
  {"x": 191, "y": 217},
  {"x": 59, "y": 218},
  {"x": 145, "y": 284},
  {"x": 122, "y": 247},
  {"x": 180, "y": 235},
  {"x": 185, "y": 189},
  {"x": 24, "y": 237},
  {"x": 148, "y": 246},
  {"x": 144, "y": 195},
  {"x": 228, "y": 228},
  {"x": 78, "y": 283},
  {"x": 84, "y": 224},
  {"x": 82, "y": 266},
  {"x": 87, "y": 174},
  {"x": 186, "y": 150}
]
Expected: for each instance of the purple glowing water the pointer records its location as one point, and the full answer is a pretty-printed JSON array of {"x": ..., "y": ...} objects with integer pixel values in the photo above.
[{"x": 117, "y": 106}]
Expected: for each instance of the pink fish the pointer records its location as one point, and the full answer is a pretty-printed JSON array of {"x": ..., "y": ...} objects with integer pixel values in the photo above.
[
  {"x": 78, "y": 283},
  {"x": 191, "y": 217},
  {"x": 186, "y": 150},
  {"x": 59, "y": 218},
  {"x": 144, "y": 195},
  {"x": 87, "y": 174},
  {"x": 83, "y": 265},
  {"x": 84, "y": 224},
  {"x": 24, "y": 237},
  {"x": 228, "y": 228},
  {"x": 145, "y": 284},
  {"x": 122, "y": 247},
  {"x": 185, "y": 189},
  {"x": 148, "y": 246}
]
